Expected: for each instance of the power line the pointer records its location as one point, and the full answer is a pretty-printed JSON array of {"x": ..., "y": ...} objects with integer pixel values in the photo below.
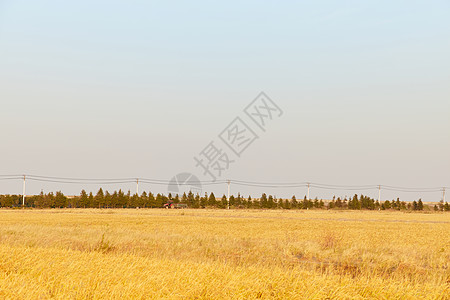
[
  {"x": 80, "y": 179},
  {"x": 10, "y": 178},
  {"x": 407, "y": 188},
  {"x": 73, "y": 180},
  {"x": 344, "y": 188},
  {"x": 190, "y": 182},
  {"x": 269, "y": 183},
  {"x": 413, "y": 191},
  {"x": 80, "y": 182},
  {"x": 110, "y": 180}
]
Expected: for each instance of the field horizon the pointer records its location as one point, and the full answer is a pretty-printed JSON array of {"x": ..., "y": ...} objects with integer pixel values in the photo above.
[{"x": 213, "y": 254}]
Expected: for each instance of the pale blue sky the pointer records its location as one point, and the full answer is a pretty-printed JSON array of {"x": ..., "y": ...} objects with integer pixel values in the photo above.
[{"x": 137, "y": 89}]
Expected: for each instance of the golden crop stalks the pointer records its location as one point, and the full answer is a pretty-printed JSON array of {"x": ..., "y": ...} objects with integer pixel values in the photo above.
[{"x": 212, "y": 254}]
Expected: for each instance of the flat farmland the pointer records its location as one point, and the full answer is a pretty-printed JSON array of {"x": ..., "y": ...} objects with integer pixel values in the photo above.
[{"x": 216, "y": 254}]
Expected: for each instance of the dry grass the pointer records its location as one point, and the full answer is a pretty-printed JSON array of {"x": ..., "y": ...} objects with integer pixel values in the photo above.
[{"x": 141, "y": 254}]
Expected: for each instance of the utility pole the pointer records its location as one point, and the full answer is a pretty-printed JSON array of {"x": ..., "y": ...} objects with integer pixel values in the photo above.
[
  {"x": 23, "y": 192},
  {"x": 379, "y": 194},
  {"x": 228, "y": 195},
  {"x": 307, "y": 197},
  {"x": 443, "y": 195},
  {"x": 137, "y": 186}
]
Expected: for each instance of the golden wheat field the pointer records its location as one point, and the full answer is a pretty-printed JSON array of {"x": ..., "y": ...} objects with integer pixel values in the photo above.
[{"x": 216, "y": 254}]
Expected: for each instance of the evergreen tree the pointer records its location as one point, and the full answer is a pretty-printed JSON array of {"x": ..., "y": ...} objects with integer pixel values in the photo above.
[
  {"x": 143, "y": 199},
  {"x": 159, "y": 201},
  {"x": 152, "y": 200},
  {"x": 321, "y": 204},
  {"x": 316, "y": 203},
  {"x": 90, "y": 200},
  {"x": 84, "y": 199},
  {"x": 128, "y": 198},
  {"x": 164, "y": 199},
  {"x": 50, "y": 200},
  {"x": 294, "y": 203},
  {"x": 331, "y": 204},
  {"x": 398, "y": 204},
  {"x": 204, "y": 201},
  {"x": 263, "y": 202},
  {"x": 121, "y": 199},
  {"x": 338, "y": 203},
  {"x": 184, "y": 198},
  {"x": 107, "y": 201},
  {"x": 212, "y": 200},
  {"x": 99, "y": 198},
  {"x": 283, "y": 204},
  {"x": 393, "y": 204},
  {"x": 39, "y": 201},
  {"x": 420, "y": 205},
  {"x": 357, "y": 203},
  {"x": 270, "y": 202},
  {"x": 232, "y": 201},
  {"x": 403, "y": 205},
  {"x": 114, "y": 199},
  {"x": 190, "y": 199},
  {"x": 134, "y": 201},
  {"x": 223, "y": 202},
  {"x": 197, "y": 201},
  {"x": 305, "y": 203},
  {"x": 238, "y": 202},
  {"x": 244, "y": 202},
  {"x": 377, "y": 205}
]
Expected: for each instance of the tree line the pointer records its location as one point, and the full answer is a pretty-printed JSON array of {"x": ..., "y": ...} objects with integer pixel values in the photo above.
[{"x": 120, "y": 199}]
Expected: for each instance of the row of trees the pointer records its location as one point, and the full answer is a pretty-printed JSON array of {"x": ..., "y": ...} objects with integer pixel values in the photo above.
[
  {"x": 120, "y": 199},
  {"x": 364, "y": 202}
]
